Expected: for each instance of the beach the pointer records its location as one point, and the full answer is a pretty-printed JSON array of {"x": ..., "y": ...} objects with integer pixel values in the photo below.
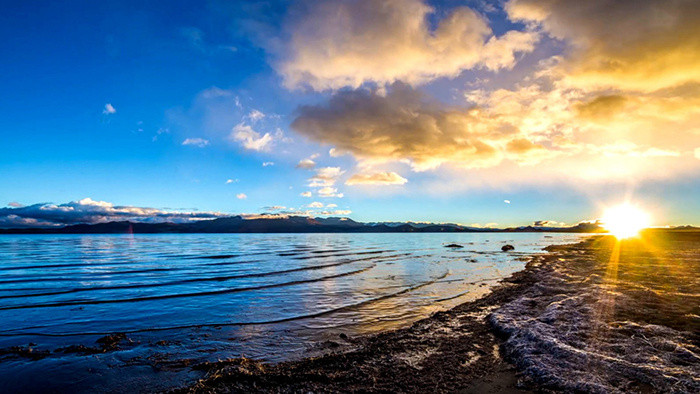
[{"x": 596, "y": 316}]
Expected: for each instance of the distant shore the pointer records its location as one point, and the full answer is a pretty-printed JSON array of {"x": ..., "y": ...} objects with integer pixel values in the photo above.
[
  {"x": 286, "y": 224},
  {"x": 597, "y": 316}
]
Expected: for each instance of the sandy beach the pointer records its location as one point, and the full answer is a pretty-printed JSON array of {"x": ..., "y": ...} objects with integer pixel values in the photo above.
[{"x": 598, "y": 316}]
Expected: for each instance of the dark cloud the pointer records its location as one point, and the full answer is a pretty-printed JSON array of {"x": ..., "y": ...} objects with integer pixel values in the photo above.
[{"x": 403, "y": 124}]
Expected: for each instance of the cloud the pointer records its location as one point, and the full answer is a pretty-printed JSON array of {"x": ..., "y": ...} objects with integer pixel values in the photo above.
[
  {"x": 305, "y": 194},
  {"x": 251, "y": 139},
  {"x": 315, "y": 204},
  {"x": 306, "y": 164},
  {"x": 341, "y": 212},
  {"x": 327, "y": 192},
  {"x": 324, "y": 179},
  {"x": 198, "y": 142},
  {"x": 255, "y": 115},
  {"x": 268, "y": 164},
  {"x": 697, "y": 153},
  {"x": 109, "y": 109},
  {"x": 334, "y": 44},
  {"x": 241, "y": 196},
  {"x": 229, "y": 181},
  {"x": 548, "y": 223},
  {"x": 377, "y": 178},
  {"x": 332, "y": 206},
  {"x": 159, "y": 132},
  {"x": 630, "y": 44},
  {"x": 407, "y": 125},
  {"x": 275, "y": 208},
  {"x": 14, "y": 204},
  {"x": 91, "y": 211},
  {"x": 506, "y": 201},
  {"x": 325, "y": 176},
  {"x": 540, "y": 131}
]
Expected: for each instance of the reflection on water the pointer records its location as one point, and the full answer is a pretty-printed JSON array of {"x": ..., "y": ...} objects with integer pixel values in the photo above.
[{"x": 212, "y": 296}]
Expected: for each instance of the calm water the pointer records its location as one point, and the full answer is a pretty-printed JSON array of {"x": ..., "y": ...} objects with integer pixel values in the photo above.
[{"x": 215, "y": 296}]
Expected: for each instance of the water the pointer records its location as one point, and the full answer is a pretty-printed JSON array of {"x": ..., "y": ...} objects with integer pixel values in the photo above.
[{"x": 214, "y": 296}]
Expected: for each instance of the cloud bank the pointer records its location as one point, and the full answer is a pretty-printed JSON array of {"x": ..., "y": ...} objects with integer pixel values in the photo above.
[
  {"x": 91, "y": 211},
  {"x": 621, "y": 101}
]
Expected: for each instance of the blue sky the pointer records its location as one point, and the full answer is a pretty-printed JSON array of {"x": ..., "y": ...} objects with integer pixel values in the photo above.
[{"x": 177, "y": 107}]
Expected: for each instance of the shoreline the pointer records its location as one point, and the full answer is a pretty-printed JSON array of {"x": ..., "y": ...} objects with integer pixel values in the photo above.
[
  {"x": 453, "y": 350},
  {"x": 486, "y": 346}
]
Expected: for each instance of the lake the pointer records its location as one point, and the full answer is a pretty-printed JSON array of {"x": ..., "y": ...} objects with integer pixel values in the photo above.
[{"x": 202, "y": 297}]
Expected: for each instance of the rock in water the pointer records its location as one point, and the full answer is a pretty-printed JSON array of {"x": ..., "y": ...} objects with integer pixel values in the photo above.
[
  {"x": 508, "y": 247},
  {"x": 454, "y": 246}
]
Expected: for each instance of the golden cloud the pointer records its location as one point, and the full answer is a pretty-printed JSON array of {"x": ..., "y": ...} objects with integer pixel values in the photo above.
[
  {"x": 629, "y": 44},
  {"x": 346, "y": 43},
  {"x": 377, "y": 178},
  {"x": 620, "y": 103}
]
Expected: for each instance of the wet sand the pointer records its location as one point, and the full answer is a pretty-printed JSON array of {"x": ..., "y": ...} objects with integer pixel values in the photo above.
[{"x": 598, "y": 316}]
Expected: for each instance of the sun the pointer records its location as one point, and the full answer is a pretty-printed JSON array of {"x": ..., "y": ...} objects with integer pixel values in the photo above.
[{"x": 625, "y": 220}]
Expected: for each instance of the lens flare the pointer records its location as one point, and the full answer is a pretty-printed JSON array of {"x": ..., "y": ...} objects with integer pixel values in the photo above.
[{"x": 625, "y": 220}]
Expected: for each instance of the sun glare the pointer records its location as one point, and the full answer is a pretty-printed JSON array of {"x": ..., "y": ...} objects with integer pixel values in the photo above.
[{"x": 625, "y": 220}]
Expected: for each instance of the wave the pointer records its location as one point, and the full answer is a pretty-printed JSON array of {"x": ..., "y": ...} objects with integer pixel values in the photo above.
[
  {"x": 196, "y": 280},
  {"x": 326, "y": 312},
  {"x": 184, "y": 295}
]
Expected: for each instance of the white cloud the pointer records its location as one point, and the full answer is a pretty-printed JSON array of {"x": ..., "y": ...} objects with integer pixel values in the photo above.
[
  {"x": 109, "y": 109},
  {"x": 198, "y": 142},
  {"x": 332, "y": 206},
  {"x": 306, "y": 164},
  {"x": 229, "y": 181},
  {"x": 328, "y": 191},
  {"x": 256, "y": 115},
  {"x": 324, "y": 179},
  {"x": 325, "y": 176},
  {"x": 315, "y": 204},
  {"x": 241, "y": 196},
  {"x": 251, "y": 139},
  {"x": 506, "y": 201},
  {"x": 159, "y": 132},
  {"x": 268, "y": 164},
  {"x": 305, "y": 194},
  {"x": 336, "y": 212}
]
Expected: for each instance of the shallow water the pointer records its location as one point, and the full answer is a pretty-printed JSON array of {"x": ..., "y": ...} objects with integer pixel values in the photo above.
[{"x": 216, "y": 296}]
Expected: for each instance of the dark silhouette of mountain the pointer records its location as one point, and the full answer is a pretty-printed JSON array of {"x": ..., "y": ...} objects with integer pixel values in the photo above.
[{"x": 286, "y": 224}]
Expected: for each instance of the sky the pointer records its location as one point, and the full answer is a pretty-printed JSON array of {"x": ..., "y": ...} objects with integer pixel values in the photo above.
[{"x": 495, "y": 113}]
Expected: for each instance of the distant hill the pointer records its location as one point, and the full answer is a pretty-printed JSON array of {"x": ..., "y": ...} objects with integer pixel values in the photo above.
[{"x": 285, "y": 224}]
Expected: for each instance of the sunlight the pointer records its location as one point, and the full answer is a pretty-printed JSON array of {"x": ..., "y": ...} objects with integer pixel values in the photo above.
[{"x": 625, "y": 220}]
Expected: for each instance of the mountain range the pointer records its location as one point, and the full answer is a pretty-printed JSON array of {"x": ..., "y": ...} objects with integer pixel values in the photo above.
[{"x": 284, "y": 224}]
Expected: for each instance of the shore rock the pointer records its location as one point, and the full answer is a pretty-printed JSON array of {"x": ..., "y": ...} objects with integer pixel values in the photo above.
[{"x": 508, "y": 247}]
